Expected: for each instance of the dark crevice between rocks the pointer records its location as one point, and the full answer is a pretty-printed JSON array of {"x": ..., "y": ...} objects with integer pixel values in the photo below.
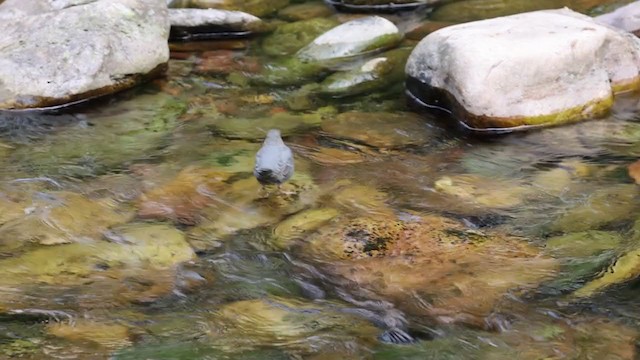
[
  {"x": 391, "y": 7},
  {"x": 206, "y": 32}
]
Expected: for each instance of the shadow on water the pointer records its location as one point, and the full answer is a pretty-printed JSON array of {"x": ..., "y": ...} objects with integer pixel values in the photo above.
[{"x": 25, "y": 126}]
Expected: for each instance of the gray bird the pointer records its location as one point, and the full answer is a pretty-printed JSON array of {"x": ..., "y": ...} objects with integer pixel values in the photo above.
[{"x": 274, "y": 160}]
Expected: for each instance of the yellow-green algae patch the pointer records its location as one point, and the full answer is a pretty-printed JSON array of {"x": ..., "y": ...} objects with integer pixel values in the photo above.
[{"x": 481, "y": 123}]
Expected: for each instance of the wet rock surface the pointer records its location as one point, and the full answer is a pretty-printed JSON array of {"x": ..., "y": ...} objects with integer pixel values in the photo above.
[
  {"x": 45, "y": 61},
  {"x": 352, "y": 38},
  {"x": 289, "y": 38},
  {"x": 199, "y": 24}
]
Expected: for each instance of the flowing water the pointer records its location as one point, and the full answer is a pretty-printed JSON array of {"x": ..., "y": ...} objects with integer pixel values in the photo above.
[{"x": 132, "y": 228}]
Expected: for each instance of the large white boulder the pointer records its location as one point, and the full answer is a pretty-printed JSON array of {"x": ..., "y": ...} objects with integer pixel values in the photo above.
[
  {"x": 537, "y": 68},
  {"x": 54, "y": 52}
]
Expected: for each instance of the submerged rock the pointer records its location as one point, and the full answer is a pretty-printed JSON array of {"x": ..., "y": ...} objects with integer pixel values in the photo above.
[
  {"x": 623, "y": 269},
  {"x": 297, "y": 225},
  {"x": 46, "y": 62},
  {"x": 104, "y": 141},
  {"x": 59, "y": 218},
  {"x": 291, "y": 37},
  {"x": 454, "y": 274},
  {"x": 288, "y": 323},
  {"x": 305, "y": 11},
  {"x": 182, "y": 198},
  {"x": 532, "y": 69},
  {"x": 486, "y": 192},
  {"x": 355, "y": 37},
  {"x": 530, "y": 336},
  {"x": 242, "y": 206},
  {"x": 584, "y": 243},
  {"x": 253, "y": 129},
  {"x": 147, "y": 246},
  {"x": 382, "y": 130},
  {"x": 376, "y": 74},
  {"x": 283, "y": 72},
  {"x": 615, "y": 204},
  {"x": 112, "y": 336},
  {"x": 196, "y": 24}
]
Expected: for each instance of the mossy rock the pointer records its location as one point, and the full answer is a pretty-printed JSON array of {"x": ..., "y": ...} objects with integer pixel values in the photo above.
[
  {"x": 154, "y": 246},
  {"x": 106, "y": 141},
  {"x": 112, "y": 336},
  {"x": 379, "y": 129},
  {"x": 245, "y": 205},
  {"x": 283, "y": 72},
  {"x": 305, "y": 11},
  {"x": 60, "y": 218},
  {"x": 353, "y": 38},
  {"x": 457, "y": 265},
  {"x": 255, "y": 129},
  {"x": 288, "y": 323},
  {"x": 291, "y": 37},
  {"x": 294, "y": 227},
  {"x": 374, "y": 75},
  {"x": 483, "y": 192},
  {"x": 584, "y": 243},
  {"x": 605, "y": 206}
]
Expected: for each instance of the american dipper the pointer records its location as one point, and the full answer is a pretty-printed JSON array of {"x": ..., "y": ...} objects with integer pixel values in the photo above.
[{"x": 274, "y": 160}]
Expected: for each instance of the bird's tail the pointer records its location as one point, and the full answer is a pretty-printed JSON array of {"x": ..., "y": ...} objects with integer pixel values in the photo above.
[{"x": 266, "y": 176}]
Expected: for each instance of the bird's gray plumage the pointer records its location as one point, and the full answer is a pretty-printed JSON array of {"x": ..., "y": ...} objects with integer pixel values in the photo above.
[{"x": 274, "y": 160}]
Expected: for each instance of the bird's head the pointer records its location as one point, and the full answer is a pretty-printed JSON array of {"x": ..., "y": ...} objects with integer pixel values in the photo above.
[{"x": 273, "y": 137}]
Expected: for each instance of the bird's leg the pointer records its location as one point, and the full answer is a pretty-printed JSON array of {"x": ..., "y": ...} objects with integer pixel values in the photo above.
[
  {"x": 264, "y": 192},
  {"x": 283, "y": 191}
]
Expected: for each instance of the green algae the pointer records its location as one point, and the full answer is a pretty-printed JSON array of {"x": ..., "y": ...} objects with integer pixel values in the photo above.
[
  {"x": 105, "y": 142},
  {"x": 289, "y": 38}
]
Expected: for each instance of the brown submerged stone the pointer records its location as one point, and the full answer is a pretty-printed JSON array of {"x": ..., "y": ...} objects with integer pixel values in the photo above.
[
  {"x": 182, "y": 198},
  {"x": 429, "y": 265}
]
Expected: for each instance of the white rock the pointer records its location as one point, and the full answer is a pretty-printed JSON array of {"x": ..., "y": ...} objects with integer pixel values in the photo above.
[
  {"x": 352, "y": 38},
  {"x": 528, "y": 69},
  {"x": 626, "y": 18},
  {"x": 58, "y": 51},
  {"x": 211, "y": 17}
]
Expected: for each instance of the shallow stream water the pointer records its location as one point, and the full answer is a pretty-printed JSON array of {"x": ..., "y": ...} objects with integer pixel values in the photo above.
[{"x": 132, "y": 228}]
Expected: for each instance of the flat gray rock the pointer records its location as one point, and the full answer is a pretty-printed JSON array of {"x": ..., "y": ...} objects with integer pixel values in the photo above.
[
  {"x": 55, "y": 52},
  {"x": 207, "y": 17},
  {"x": 191, "y": 24}
]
